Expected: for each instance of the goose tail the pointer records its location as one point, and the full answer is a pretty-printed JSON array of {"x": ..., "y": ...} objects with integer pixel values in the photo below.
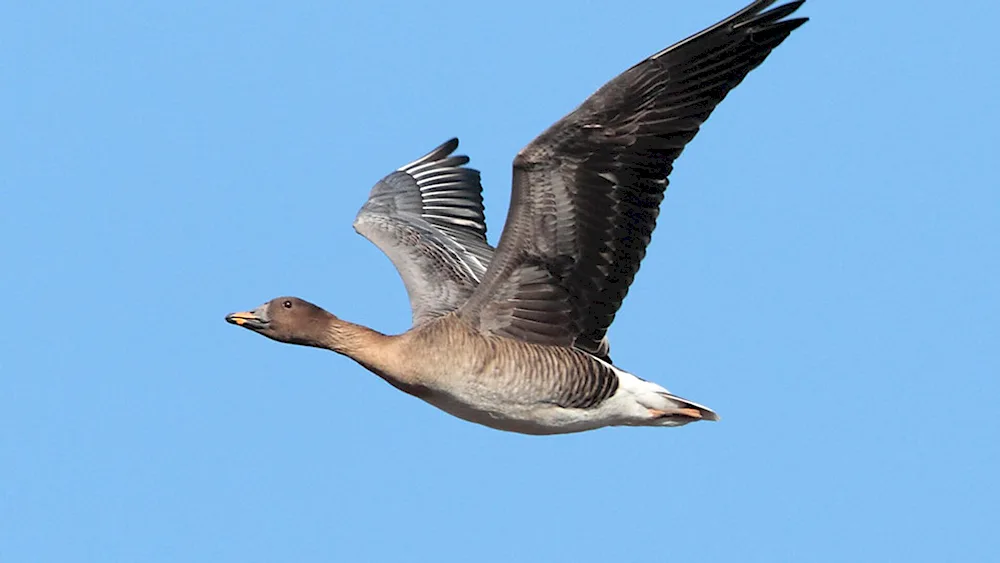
[{"x": 658, "y": 407}]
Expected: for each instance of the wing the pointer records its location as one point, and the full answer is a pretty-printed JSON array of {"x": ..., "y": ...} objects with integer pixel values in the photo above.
[
  {"x": 586, "y": 192},
  {"x": 427, "y": 217}
]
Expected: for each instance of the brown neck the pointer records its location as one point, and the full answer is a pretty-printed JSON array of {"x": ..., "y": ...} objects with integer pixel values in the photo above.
[{"x": 369, "y": 348}]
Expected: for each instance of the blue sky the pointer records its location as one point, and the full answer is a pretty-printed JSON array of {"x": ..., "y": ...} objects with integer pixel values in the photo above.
[{"x": 824, "y": 276}]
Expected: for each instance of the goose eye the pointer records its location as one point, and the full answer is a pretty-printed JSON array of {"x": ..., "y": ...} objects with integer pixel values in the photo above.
[{"x": 287, "y": 304}]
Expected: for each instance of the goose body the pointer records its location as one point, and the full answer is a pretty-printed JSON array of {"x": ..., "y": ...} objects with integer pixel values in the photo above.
[
  {"x": 515, "y": 337},
  {"x": 509, "y": 384}
]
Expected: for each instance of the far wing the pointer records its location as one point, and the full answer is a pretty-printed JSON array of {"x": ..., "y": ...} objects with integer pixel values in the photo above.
[{"x": 427, "y": 217}]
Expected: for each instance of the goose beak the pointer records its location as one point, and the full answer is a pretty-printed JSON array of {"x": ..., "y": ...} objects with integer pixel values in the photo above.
[{"x": 247, "y": 319}]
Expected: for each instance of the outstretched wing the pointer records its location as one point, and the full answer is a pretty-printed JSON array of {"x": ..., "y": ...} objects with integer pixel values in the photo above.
[
  {"x": 586, "y": 192},
  {"x": 427, "y": 217}
]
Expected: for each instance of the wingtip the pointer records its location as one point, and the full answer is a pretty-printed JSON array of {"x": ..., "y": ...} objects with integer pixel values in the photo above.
[
  {"x": 754, "y": 17},
  {"x": 449, "y": 146},
  {"x": 775, "y": 17},
  {"x": 440, "y": 152}
]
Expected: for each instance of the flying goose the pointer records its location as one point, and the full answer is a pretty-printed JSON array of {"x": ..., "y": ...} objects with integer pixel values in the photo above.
[{"x": 514, "y": 338}]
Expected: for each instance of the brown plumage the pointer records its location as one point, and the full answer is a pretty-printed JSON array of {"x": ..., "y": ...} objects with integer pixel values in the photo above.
[{"x": 516, "y": 337}]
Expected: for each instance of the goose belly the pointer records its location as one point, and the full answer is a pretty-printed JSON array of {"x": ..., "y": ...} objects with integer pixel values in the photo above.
[{"x": 513, "y": 414}]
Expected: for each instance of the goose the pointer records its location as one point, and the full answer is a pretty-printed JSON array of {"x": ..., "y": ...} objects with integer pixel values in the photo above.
[{"x": 515, "y": 337}]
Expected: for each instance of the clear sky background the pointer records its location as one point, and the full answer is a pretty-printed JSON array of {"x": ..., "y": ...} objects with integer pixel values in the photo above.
[{"x": 825, "y": 276}]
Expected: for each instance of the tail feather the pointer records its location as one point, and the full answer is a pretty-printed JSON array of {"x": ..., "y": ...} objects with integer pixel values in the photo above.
[
  {"x": 681, "y": 415},
  {"x": 686, "y": 408}
]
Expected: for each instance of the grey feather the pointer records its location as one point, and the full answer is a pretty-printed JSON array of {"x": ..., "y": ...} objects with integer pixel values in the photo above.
[{"x": 427, "y": 217}]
